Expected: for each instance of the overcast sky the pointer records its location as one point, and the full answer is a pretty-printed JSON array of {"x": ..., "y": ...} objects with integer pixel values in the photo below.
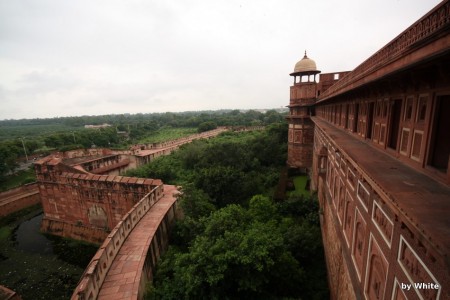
[{"x": 92, "y": 57}]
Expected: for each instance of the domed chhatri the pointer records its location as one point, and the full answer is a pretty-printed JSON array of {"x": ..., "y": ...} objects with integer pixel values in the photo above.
[
  {"x": 305, "y": 66},
  {"x": 303, "y": 95}
]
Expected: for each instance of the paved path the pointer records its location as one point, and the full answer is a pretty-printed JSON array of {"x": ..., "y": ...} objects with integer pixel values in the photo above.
[
  {"x": 123, "y": 278},
  {"x": 424, "y": 200}
]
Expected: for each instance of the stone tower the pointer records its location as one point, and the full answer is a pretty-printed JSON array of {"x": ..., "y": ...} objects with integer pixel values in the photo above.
[{"x": 301, "y": 128}]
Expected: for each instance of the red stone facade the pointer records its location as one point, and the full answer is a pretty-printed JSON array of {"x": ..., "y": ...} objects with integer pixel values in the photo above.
[
  {"x": 8, "y": 294},
  {"x": 301, "y": 128},
  {"x": 19, "y": 198},
  {"x": 126, "y": 260},
  {"x": 82, "y": 205},
  {"x": 83, "y": 196},
  {"x": 381, "y": 167}
]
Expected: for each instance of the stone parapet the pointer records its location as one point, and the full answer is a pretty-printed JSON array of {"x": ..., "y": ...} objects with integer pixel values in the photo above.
[
  {"x": 7, "y": 294},
  {"x": 19, "y": 198},
  {"x": 94, "y": 276},
  {"x": 388, "y": 221},
  {"x": 436, "y": 22}
]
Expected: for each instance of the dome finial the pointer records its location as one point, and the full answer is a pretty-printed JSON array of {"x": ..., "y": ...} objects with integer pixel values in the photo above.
[{"x": 305, "y": 66}]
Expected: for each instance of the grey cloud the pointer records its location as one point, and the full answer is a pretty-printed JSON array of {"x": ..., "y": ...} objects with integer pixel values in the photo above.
[{"x": 95, "y": 57}]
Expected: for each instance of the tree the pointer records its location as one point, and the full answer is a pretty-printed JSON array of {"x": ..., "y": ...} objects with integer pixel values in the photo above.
[
  {"x": 8, "y": 157},
  {"x": 240, "y": 254},
  {"x": 205, "y": 126},
  {"x": 224, "y": 184},
  {"x": 195, "y": 203}
]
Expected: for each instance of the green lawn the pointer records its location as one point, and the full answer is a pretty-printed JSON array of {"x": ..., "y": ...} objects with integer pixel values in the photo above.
[
  {"x": 18, "y": 179},
  {"x": 300, "y": 185},
  {"x": 167, "y": 134}
]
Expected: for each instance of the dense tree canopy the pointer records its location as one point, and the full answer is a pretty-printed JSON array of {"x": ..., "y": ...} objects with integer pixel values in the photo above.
[
  {"x": 234, "y": 241},
  {"x": 259, "y": 252}
]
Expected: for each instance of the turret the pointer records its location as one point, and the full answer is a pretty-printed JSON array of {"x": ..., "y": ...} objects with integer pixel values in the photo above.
[{"x": 301, "y": 106}]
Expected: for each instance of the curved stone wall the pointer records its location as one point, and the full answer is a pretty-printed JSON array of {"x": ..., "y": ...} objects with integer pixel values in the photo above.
[
  {"x": 94, "y": 275},
  {"x": 19, "y": 198}
]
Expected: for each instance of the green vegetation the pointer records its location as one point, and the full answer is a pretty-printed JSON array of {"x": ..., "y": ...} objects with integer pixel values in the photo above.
[
  {"x": 234, "y": 241},
  {"x": 300, "y": 185},
  {"x": 205, "y": 126},
  {"x": 166, "y": 134},
  {"x": 40, "y": 276},
  {"x": 42, "y": 136},
  {"x": 5, "y": 232},
  {"x": 32, "y": 130},
  {"x": 264, "y": 251},
  {"x": 14, "y": 219},
  {"x": 18, "y": 179}
]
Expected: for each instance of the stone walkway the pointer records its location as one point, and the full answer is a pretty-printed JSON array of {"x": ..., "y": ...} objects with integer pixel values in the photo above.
[
  {"x": 424, "y": 200},
  {"x": 123, "y": 278}
]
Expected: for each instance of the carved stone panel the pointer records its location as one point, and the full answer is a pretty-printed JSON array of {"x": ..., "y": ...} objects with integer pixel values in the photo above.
[
  {"x": 363, "y": 194},
  {"x": 335, "y": 189},
  {"x": 349, "y": 216},
  {"x": 377, "y": 268},
  {"x": 383, "y": 223},
  {"x": 298, "y": 136},
  {"x": 341, "y": 201},
  {"x": 397, "y": 293},
  {"x": 359, "y": 242},
  {"x": 97, "y": 216},
  {"x": 417, "y": 272},
  {"x": 351, "y": 178}
]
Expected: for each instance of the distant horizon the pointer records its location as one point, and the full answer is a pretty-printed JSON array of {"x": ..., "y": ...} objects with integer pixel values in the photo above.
[{"x": 278, "y": 109}]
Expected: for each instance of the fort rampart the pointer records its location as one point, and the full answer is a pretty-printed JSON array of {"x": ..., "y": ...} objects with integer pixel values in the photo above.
[
  {"x": 19, "y": 198},
  {"x": 380, "y": 163},
  {"x": 376, "y": 224},
  {"x": 96, "y": 272},
  {"x": 86, "y": 206}
]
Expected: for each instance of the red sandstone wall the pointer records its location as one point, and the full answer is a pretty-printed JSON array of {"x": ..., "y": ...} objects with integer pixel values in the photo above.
[
  {"x": 302, "y": 91},
  {"x": 94, "y": 275},
  {"x": 19, "y": 198},
  {"x": 98, "y": 201},
  {"x": 8, "y": 294},
  {"x": 85, "y": 152},
  {"x": 86, "y": 200},
  {"x": 328, "y": 79},
  {"x": 77, "y": 232},
  {"x": 341, "y": 286},
  {"x": 300, "y": 142},
  {"x": 155, "y": 250},
  {"x": 370, "y": 246}
]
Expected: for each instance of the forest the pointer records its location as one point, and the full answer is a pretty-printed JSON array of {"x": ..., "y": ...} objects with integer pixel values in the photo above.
[{"x": 234, "y": 241}]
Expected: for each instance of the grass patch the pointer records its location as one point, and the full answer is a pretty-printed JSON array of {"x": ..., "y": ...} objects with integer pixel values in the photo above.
[
  {"x": 167, "y": 134},
  {"x": 300, "y": 185},
  {"x": 5, "y": 232},
  {"x": 18, "y": 179},
  {"x": 8, "y": 132}
]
